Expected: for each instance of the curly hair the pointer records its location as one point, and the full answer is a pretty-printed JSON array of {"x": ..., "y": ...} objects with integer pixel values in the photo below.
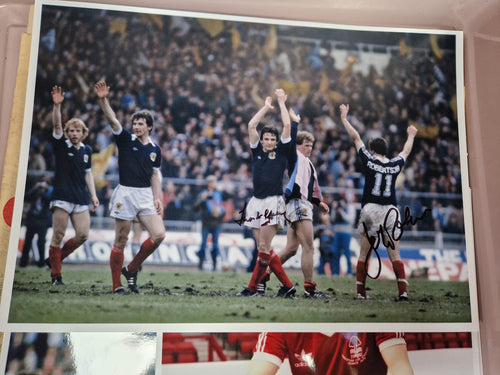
[
  {"x": 79, "y": 124},
  {"x": 146, "y": 115}
]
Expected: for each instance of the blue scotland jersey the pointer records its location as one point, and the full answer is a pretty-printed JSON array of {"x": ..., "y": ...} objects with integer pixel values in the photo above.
[
  {"x": 268, "y": 169},
  {"x": 380, "y": 178},
  {"x": 71, "y": 166},
  {"x": 136, "y": 161}
]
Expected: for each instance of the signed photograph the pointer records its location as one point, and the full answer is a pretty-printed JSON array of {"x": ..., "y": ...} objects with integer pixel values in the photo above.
[{"x": 182, "y": 167}]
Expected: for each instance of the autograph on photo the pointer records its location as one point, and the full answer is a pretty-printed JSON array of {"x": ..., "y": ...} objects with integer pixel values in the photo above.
[
  {"x": 268, "y": 215},
  {"x": 388, "y": 238},
  {"x": 383, "y": 235}
]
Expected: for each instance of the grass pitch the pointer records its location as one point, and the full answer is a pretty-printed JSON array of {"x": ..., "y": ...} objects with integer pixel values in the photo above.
[{"x": 189, "y": 296}]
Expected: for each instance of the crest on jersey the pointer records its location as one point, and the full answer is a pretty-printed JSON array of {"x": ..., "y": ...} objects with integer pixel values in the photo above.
[
  {"x": 85, "y": 158},
  {"x": 152, "y": 156},
  {"x": 356, "y": 355},
  {"x": 272, "y": 155}
]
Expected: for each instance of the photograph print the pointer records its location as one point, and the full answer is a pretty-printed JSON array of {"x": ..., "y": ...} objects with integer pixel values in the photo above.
[
  {"x": 374, "y": 353},
  {"x": 197, "y": 168}
]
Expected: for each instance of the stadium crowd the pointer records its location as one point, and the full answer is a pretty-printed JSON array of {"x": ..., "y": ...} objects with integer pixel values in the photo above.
[{"x": 203, "y": 80}]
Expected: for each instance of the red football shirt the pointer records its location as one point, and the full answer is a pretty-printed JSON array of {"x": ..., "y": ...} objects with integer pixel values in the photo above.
[{"x": 336, "y": 354}]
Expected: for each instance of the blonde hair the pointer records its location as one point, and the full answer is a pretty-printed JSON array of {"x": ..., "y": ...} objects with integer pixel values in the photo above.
[
  {"x": 79, "y": 124},
  {"x": 303, "y": 136}
]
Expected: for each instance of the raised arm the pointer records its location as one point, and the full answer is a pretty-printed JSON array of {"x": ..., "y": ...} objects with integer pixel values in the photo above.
[
  {"x": 285, "y": 115},
  {"x": 293, "y": 133},
  {"x": 102, "y": 91},
  {"x": 57, "y": 99},
  {"x": 293, "y": 116},
  {"x": 253, "y": 134},
  {"x": 412, "y": 132},
  {"x": 353, "y": 133}
]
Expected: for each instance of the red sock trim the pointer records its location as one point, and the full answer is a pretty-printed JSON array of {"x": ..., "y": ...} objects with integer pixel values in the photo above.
[
  {"x": 55, "y": 260},
  {"x": 310, "y": 286},
  {"x": 147, "y": 248},
  {"x": 115, "y": 264},
  {"x": 68, "y": 247},
  {"x": 399, "y": 271},
  {"x": 360, "y": 277},
  {"x": 277, "y": 268},
  {"x": 259, "y": 271}
]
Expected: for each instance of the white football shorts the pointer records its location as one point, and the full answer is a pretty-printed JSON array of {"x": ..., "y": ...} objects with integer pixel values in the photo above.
[
  {"x": 299, "y": 209},
  {"x": 128, "y": 202},
  {"x": 70, "y": 208},
  {"x": 379, "y": 219},
  {"x": 266, "y": 211}
]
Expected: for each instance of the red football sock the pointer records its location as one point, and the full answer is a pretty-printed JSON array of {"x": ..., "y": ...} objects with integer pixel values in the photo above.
[
  {"x": 55, "y": 261},
  {"x": 399, "y": 270},
  {"x": 310, "y": 286},
  {"x": 361, "y": 278},
  {"x": 68, "y": 248},
  {"x": 259, "y": 271},
  {"x": 147, "y": 248},
  {"x": 116, "y": 264},
  {"x": 278, "y": 270}
]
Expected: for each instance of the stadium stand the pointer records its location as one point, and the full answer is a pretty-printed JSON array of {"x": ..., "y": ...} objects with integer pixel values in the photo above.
[
  {"x": 188, "y": 348},
  {"x": 438, "y": 340},
  {"x": 240, "y": 345},
  {"x": 243, "y": 343}
]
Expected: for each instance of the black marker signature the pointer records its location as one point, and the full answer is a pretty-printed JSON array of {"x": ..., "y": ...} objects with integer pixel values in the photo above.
[
  {"x": 268, "y": 215},
  {"x": 389, "y": 238}
]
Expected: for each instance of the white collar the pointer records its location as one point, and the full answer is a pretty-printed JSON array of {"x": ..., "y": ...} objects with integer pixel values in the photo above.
[
  {"x": 134, "y": 137},
  {"x": 69, "y": 144}
]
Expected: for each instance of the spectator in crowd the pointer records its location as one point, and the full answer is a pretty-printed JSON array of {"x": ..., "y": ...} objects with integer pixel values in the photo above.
[
  {"x": 38, "y": 221},
  {"x": 212, "y": 211},
  {"x": 324, "y": 231},
  {"x": 344, "y": 214}
]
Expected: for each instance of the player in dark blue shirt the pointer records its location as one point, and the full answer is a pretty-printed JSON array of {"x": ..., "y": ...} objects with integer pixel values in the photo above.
[
  {"x": 379, "y": 212},
  {"x": 73, "y": 182},
  {"x": 138, "y": 195},
  {"x": 265, "y": 212}
]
